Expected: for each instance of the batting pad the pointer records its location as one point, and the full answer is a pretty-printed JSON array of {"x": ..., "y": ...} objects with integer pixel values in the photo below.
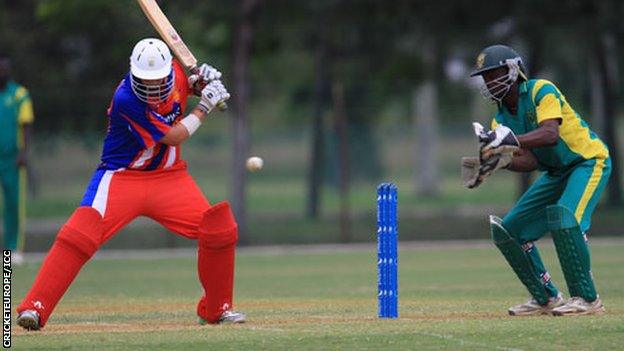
[
  {"x": 572, "y": 250},
  {"x": 518, "y": 260},
  {"x": 218, "y": 235}
]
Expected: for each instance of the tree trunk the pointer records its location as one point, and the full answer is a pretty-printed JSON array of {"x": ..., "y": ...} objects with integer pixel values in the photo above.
[
  {"x": 596, "y": 97},
  {"x": 425, "y": 105},
  {"x": 606, "y": 55},
  {"x": 240, "y": 103},
  {"x": 341, "y": 130},
  {"x": 425, "y": 109},
  {"x": 315, "y": 172}
]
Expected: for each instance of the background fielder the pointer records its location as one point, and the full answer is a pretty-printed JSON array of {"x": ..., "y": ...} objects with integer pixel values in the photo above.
[
  {"x": 536, "y": 128},
  {"x": 141, "y": 174},
  {"x": 16, "y": 118}
]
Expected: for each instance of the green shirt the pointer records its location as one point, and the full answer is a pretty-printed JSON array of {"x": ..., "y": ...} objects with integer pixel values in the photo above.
[
  {"x": 538, "y": 101},
  {"x": 15, "y": 111}
]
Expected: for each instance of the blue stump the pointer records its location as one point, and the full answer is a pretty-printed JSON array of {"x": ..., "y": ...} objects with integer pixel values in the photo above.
[{"x": 387, "y": 244}]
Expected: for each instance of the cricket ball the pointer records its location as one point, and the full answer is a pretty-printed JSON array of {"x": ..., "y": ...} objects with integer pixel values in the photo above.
[{"x": 254, "y": 164}]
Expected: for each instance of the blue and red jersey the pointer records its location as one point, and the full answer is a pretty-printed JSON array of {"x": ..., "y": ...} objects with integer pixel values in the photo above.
[
  {"x": 135, "y": 128},
  {"x": 133, "y": 139}
]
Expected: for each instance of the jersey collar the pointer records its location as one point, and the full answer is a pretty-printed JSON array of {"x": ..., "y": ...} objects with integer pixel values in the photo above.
[{"x": 523, "y": 88}]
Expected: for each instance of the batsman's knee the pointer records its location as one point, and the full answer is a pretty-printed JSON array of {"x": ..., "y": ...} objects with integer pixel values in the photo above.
[
  {"x": 82, "y": 232},
  {"x": 218, "y": 228},
  {"x": 499, "y": 231}
]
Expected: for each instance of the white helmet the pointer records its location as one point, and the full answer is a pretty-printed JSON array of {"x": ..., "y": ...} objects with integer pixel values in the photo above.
[{"x": 151, "y": 60}]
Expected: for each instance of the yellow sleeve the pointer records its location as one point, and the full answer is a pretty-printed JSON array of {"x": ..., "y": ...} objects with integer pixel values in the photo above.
[
  {"x": 547, "y": 99},
  {"x": 25, "y": 113},
  {"x": 548, "y": 108}
]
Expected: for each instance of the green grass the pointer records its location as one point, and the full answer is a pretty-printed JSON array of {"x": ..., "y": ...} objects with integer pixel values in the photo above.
[{"x": 451, "y": 299}]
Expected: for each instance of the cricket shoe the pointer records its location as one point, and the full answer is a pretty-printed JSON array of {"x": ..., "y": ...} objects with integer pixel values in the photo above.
[
  {"x": 28, "y": 319},
  {"x": 532, "y": 308},
  {"x": 577, "y": 306},
  {"x": 17, "y": 258},
  {"x": 228, "y": 317}
]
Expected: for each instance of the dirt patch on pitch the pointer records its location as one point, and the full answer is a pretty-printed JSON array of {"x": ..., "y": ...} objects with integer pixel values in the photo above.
[
  {"x": 263, "y": 316},
  {"x": 128, "y": 308},
  {"x": 108, "y": 328}
]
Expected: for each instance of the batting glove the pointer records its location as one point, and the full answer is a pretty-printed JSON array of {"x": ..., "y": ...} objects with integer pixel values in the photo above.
[
  {"x": 211, "y": 95},
  {"x": 205, "y": 73}
]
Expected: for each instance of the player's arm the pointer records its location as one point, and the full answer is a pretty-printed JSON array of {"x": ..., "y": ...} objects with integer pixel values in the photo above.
[
  {"x": 180, "y": 132},
  {"x": 523, "y": 161},
  {"x": 503, "y": 140},
  {"x": 25, "y": 119},
  {"x": 546, "y": 135},
  {"x": 211, "y": 95},
  {"x": 22, "y": 157}
]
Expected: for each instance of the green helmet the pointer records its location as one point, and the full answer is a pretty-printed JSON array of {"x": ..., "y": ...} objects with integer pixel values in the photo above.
[{"x": 496, "y": 56}]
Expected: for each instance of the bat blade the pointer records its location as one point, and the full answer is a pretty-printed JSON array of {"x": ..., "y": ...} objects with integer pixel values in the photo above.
[
  {"x": 167, "y": 32},
  {"x": 170, "y": 36}
]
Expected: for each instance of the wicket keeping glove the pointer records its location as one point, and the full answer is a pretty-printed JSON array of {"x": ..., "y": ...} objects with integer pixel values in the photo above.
[
  {"x": 498, "y": 141},
  {"x": 474, "y": 172},
  {"x": 213, "y": 94},
  {"x": 470, "y": 172}
]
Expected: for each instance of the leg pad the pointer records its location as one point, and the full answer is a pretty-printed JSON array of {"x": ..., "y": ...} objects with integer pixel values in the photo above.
[
  {"x": 518, "y": 260},
  {"x": 218, "y": 235},
  {"x": 218, "y": 228},
  {"x": 572, "y": 250},
  {"x": 82, "y": 232}
]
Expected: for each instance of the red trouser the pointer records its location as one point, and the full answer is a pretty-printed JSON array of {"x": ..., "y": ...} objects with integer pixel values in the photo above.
[{"x": 168, "y": 196}]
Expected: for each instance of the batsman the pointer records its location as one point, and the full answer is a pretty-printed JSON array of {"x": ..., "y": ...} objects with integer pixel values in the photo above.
[
  {"x": 141, "y": 173},
  {"x": 536, "y": 128}
]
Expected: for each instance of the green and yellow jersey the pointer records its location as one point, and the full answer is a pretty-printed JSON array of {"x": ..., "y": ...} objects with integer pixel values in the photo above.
[
  {"x": 15, "y": 111},
  {"x": 540, "y": 100}
]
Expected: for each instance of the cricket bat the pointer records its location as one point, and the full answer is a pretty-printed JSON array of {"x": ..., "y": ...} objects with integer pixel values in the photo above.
[{"x": 171, "y": 37}]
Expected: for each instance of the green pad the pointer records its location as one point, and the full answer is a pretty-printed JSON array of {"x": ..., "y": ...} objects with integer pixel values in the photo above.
[
  {"x": 518, "y": 260},
  {"x": 572, "y": 251}
]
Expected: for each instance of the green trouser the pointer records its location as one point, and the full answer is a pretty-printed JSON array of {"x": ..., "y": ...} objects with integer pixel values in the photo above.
[
  {"x": 11, "y": 178},
  {"x": 575, "y": 192}
]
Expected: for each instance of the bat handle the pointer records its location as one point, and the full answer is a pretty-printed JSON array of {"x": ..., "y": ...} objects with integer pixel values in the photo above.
[{"x": 222, "y": 106}]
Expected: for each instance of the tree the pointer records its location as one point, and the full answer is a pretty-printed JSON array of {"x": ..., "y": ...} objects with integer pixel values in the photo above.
[{"x": 241, "y": 55}]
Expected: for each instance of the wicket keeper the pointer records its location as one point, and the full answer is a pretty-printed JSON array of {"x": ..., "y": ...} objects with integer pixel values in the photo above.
[
  {"x": 536, "y": 128},
  {"x": 142, "y": 174}
]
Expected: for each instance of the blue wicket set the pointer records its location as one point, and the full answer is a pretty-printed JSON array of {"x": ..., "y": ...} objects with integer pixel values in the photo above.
[{"x": 387, "y": 244}]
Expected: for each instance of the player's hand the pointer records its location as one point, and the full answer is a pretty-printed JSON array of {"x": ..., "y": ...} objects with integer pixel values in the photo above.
[
  {"x": 495, "y": 162},
  {"x": 21, "y": 160},
  {"x": 213, "y": 94},
  {"x": 474, "y": 170},
  {"x": 470, "y": 172},
  {"x": 501, "y": 140},
  {"x": 205, "y": 73}
]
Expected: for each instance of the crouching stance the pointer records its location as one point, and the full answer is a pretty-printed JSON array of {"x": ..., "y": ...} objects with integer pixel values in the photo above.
[
  {"x": 536, "y": 128},
  {"x": 141, "y": 174}
]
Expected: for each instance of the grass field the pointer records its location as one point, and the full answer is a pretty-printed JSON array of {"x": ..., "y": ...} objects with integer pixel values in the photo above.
[{"x": 451, "y": 298}]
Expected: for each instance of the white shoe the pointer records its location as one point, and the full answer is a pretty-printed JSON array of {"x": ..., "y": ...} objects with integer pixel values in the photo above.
[
  {"x": 577, "y": 306},
  {"x": 228, "y": 317},
  {"x": 29, "y": 320},
  {"x": 17, "y": 258},
  {"x": 532, "y": 308},
  {"x": 232, "y": 317}
]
